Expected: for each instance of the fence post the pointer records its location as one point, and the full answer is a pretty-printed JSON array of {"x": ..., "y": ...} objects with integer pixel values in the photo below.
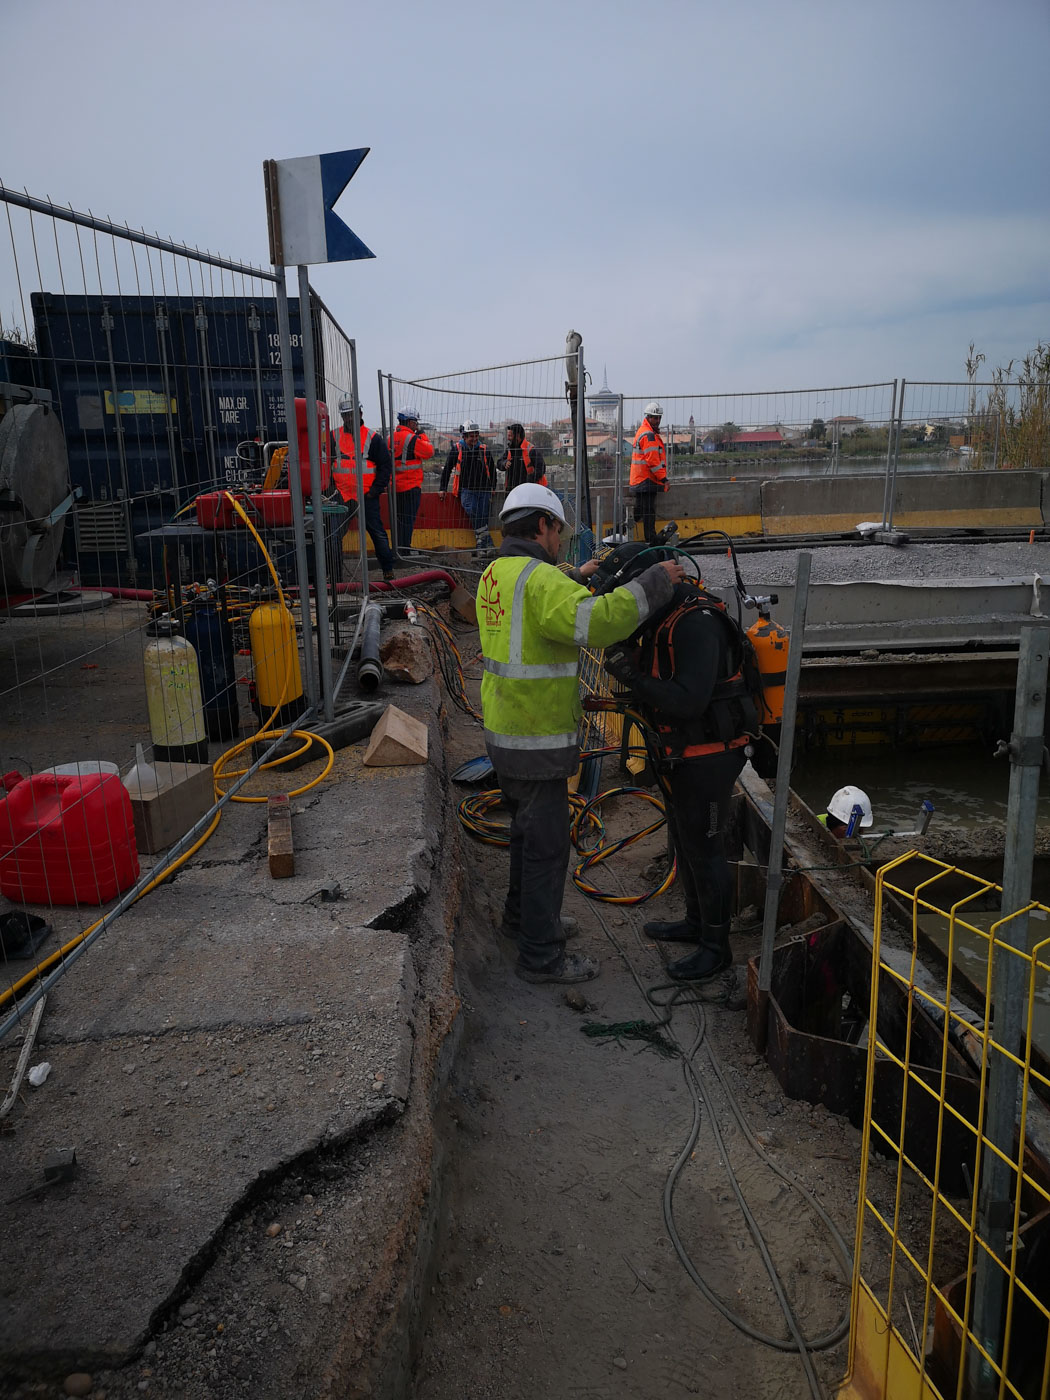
[
  {"x": 617, "y": 527},
  {"x": 581, "y": 449},
  {"x": 395, "y": 540},
  {"x": 775, "y": 873},
  {"x": 891, "y": 485},
  {"x": 887, "y": 496},
  {"x": 359, "y": 473},
  {"x": 295, "y": 488},
  {"x": 1009, "y": 998},
  {"x": 324, "y": 642}
]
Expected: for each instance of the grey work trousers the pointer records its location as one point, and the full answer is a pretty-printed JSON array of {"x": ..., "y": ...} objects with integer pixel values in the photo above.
[{"x": 539, "y": 858}]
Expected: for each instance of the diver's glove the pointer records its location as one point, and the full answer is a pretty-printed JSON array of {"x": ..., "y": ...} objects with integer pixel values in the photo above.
[{"x": 619, "y": 662}]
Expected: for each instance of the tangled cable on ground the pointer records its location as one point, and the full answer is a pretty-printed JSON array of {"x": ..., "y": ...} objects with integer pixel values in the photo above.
[
  {"x": 664, "y": 999},
  {"x": 474, "y": 814},
  {"x": 448, "y": 658}
]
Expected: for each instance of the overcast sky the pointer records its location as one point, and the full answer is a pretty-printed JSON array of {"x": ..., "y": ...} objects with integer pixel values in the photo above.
[{"x": 720, "y": 196}]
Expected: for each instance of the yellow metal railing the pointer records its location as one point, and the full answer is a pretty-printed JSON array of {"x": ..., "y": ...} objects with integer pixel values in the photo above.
[{"x": 922, "y": 1251}]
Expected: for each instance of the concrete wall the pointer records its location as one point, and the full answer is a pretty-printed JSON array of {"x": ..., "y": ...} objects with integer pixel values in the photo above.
[{"x": 837, "y": 504}]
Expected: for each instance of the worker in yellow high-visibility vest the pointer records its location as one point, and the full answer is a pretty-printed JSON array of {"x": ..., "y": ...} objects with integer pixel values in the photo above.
[{"x": 533, "y": 621}]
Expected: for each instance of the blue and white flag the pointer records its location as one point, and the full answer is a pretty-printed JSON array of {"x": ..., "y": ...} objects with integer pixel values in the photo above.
[{"x": 307, "y": 187}]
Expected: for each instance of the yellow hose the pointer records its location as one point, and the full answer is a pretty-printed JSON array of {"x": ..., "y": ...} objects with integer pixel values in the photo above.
[{"x": 268, "y": 731}]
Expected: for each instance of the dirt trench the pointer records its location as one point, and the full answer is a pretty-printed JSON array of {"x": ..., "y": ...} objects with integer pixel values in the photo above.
[{"x": 554, "y": 1273}]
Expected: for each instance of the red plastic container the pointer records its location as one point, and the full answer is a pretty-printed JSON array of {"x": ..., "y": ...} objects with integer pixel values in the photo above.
[
  {"x": 67, "y": 840},
  {"x": 304, "y": 445},
  {"x": 263, "y": 508}
]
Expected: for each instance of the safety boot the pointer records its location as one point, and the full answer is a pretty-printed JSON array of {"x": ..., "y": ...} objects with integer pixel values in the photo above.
[
  {"x": 673, "y": 930},
  {"x": 711, "y": 958}
]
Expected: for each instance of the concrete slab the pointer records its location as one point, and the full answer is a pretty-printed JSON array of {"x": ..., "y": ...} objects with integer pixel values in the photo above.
[
  {"x": 232, "y": 1060},
  {"x": 225, "y": 1029}
]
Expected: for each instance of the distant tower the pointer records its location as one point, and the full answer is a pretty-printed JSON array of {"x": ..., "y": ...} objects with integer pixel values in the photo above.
[{"x": 605, "y": 404}]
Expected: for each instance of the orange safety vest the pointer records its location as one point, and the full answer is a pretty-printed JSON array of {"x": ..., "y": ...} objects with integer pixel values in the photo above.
[
  {"x": 454, "y": 484},
  {"x": 526, "y": 454},
  {"x": 648, "y": 456},
  {"x": 408, "y": 471},
  {"x": 344, "y": 473},
  {"x": 731, "y": 708}
]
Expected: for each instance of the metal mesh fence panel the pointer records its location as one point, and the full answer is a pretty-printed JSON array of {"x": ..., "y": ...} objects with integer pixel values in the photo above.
[{"x": 154, "y": 606}]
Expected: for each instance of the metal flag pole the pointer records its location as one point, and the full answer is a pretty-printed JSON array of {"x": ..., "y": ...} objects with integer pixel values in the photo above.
[
  {"x": 324, "y": 640},
  {"x": 775, "y": 873},
  {"x": 295, "y": 489}
]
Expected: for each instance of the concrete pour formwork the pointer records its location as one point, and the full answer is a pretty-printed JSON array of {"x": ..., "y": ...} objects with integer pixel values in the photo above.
[{"x": 222, "y": 1030}]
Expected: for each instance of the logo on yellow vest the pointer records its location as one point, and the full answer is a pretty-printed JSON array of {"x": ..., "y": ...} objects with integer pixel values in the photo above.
[{"x": 490, "y": 601}]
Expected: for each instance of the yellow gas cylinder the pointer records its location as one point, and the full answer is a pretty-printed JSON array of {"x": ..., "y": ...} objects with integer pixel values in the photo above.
[
  {"x": 275, "y": 658},
  {"x": 770, "y": 642},
  {"x": 173, "y": 697}
]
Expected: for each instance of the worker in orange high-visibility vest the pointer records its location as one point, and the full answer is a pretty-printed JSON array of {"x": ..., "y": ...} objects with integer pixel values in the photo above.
[
  {"x": 648, "y": 471},
  {"x": 522, "y": 462},
  {"x": 410, "y": 449},
  {"x": 375, "y": 478},
  {"x": 472, "y": 472}
]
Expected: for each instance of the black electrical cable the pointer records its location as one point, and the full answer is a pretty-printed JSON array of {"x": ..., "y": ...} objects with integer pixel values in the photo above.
[{"x": 798, "y": 1344}]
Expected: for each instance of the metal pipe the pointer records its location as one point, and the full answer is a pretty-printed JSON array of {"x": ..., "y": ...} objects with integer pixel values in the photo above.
[
  {"x": 1009, "y": 970},
  {"x": 324, "y": 647},
  {"x": 370, "y": 668},
  {"x": 775, "y": 874},
  {"x": 887, "y": 495},
  {"x": 295, "y": 487},
  {"x": 70, "y": 216}
]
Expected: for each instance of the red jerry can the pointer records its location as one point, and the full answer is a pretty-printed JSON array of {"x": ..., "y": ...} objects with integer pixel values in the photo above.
[{"x": 66, "y": 840}]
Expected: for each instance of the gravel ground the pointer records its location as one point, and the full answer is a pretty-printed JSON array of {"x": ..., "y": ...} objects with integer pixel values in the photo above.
[{"x": 958, "y": 559}]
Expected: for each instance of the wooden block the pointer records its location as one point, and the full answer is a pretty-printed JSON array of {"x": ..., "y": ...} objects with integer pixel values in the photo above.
[
  {"x": 279, "y": 837},
  {"x": 397, "y": 738},
  {"x": 184, "y": 793}
]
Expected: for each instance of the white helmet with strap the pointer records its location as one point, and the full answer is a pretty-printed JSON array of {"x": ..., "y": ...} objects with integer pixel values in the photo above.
[
  {"x": 526, "y": 498},
  {"x": 843, "y": 802}
]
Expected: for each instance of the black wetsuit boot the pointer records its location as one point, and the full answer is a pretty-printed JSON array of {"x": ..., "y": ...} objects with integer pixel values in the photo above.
[{"x": 712, "y": 957}]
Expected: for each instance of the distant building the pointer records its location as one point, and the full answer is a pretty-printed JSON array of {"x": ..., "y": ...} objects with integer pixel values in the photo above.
[
  {"x": 843, "y": 426},
  {"x": 743, "y": 442},
  {"x": 605, "y": 404}
]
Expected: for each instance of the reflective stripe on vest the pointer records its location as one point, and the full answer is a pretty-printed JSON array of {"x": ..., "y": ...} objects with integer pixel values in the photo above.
[
  {"x": 344, "y": 472},
  {"x": 514, "y": 668},
  {"x": 647, "y": 440},
  {"x": 408, "y": 471}
]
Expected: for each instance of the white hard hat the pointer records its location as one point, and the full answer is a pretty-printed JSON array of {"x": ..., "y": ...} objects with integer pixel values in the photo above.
[
  {"x": 346, "y": 404},
  {"x": 530, "y": 496},
  {"x": 469, "y": 426},
  {"x": 653, "y": 409},
  {"x": 406, "y": 415},
  {"x": 842, "y": 804}
]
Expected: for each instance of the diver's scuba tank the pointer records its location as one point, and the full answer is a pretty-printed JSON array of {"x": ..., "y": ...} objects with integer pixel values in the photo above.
[{"x": 769, "y": 643}]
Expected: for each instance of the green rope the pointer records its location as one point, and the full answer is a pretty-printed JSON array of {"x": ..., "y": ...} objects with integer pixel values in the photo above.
[{"x": 648, "y": 1032}]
